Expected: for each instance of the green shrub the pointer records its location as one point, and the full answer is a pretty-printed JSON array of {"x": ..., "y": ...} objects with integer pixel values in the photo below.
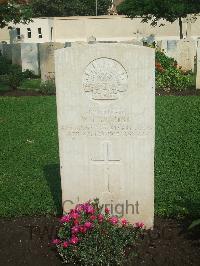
[
  {"x": 170, "y": 77},
  {"x": 194, "y": 224},
  {"x": 4, "y": 65},
  {"x": 15, "y": 77},
  {"x": 164, "y": 60},
  {"x": 29, "y": 74},
  {"x": 11, "y": 74},
  {"x": 48, "y": 87},
  {"x": 89, "y": 235}
]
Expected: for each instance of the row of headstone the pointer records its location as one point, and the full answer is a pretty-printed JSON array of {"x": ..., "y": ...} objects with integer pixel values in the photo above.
[
  {"x": 38, "y": 58},
  {"x": 183, "y": 51}
]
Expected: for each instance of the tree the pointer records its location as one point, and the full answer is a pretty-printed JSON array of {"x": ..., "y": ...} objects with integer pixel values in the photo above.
[
  {"x": 155, "y": 10},
  {"x": 60, "y": 8},
  {"x": 14, "y": 11}
]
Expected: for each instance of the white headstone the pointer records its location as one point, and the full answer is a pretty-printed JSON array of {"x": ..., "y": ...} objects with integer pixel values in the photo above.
[
  {"x": 105, "y": 104},
  {"x": 183, "y": 51},
  {"x": 172, "y": 48},
  {"x": 186, "y": 52},
  {"x": 7, "y": 51},
  {"x": 29, "y": 55},
  {"x": 198, "y": 69},
  {"x": 16, "y": 54},
  {"x": 46, "y": 57}
]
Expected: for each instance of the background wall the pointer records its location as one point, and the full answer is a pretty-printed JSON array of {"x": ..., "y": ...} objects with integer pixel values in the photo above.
[{"x": 104, "y": 28}]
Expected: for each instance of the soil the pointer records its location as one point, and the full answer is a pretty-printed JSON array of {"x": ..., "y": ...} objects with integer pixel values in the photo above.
[
  {"x": 178, "y": 93},
  {"x": 19, "y": 93},
  {"x": 27, "y": 241}
]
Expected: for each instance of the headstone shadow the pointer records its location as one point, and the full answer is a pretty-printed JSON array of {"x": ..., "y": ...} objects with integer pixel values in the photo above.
[{"x": 52, "y": 175}]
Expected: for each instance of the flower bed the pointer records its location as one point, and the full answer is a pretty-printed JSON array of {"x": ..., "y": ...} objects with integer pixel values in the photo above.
[
  {"x": 90, "y": 235},
  {"x": 170, "y": 76}
]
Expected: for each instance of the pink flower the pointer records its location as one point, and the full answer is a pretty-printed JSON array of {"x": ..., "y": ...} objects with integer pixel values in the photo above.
[
  {"x": 65, "y": 219},
  {"x": 107, "y": 210},
  {"x": 76, "y": 222},
  {"x": 74, "y": 240},
  {"x": 139, "y": 225},
  {"x": 56, "y": 242},
  {"x": 114, "y": 220},
  {"x": 74, "y": 215},
  {"x": 93, "y": 217},
  {"x": 88, "y": 225},
  {"x": 79, "y": 207},
  {"x": 100, "y": 218},
  {"x": 83, "y": 229},
  {"x": 65, "y": 244},
  {"x": 89, "y": 209},
  {"x": 75, "y": 229},
  {"x": 124, "y": 221}
]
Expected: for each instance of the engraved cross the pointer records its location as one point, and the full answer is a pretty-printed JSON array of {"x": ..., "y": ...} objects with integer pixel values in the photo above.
[{"x": 106, "y": 159}]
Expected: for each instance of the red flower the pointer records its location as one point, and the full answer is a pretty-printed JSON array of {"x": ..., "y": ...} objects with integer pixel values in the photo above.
[
  {"x": 75, "y": 229},
  {"x": 139, "y": 225},
  {"x": 56, "y": 242},
  {"x": 100, "y": 218},
  {"x": 88, "y": 225},
  {"x": 107, "y": 210},
  {"x": 76, "y": 222},
  {"x": 124, "y": 221},
  {"x": 74, "y": 240},
  {"x": 114, "y": 220},
  {"x": 89, "y": 209},
  {"x": 83, "y": 229},
  {"x": 65, "y": 244},
  {"x": 74, "y": 215},
  {"x": 65, "y": 219},
  {"x": 93, "y": 217}
]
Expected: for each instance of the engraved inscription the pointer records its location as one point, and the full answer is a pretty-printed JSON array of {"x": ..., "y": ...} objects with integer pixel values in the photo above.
[
  {"x": 107, "y": 123},
  {"x": 105, "y": 79}
]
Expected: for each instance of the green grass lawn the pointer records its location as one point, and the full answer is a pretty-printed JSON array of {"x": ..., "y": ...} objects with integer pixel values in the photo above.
[
  {"x": 29, "y": 163},
  {"x": 31, "y": 84},
  {"x": 27, "y": 84}
]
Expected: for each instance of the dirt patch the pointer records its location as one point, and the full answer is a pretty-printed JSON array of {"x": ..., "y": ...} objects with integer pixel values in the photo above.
[
  {"x": 178, "y": 93},
  {"x": 26, "y": 241},
  {"x": 19, "y": 93}
]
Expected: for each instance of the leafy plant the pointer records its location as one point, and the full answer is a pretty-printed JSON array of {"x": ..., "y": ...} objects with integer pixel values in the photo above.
[
  {"x": 48, "y": 87},
  {"x": 4, "y": 65},
  {"x": 29, "y": 74},
  {"x": 52, "y": 8},
  {"x": 170, "y": 76},
  {"x": 15, "y": 77},
  {"x": 156, "y": 10},
  {"x": 194, "y": 224},
  {"x": 15, "y": 11},
  {"x": 89, "y": 236}
]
